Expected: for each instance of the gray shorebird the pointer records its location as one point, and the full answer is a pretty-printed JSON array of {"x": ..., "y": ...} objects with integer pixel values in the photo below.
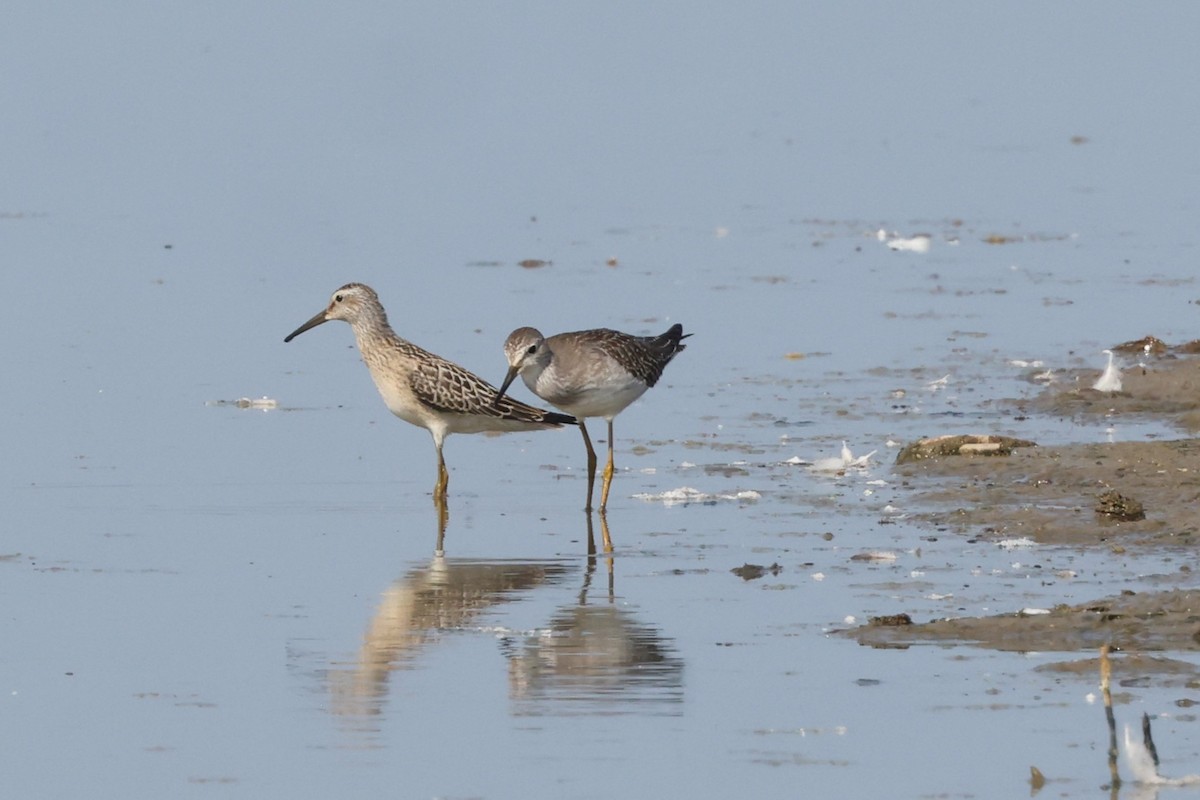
[
  {"x": 422, "y": 388},
  {"x": 593, "y": 373}
]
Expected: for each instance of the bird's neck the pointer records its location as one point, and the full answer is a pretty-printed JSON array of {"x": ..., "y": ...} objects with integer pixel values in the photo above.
[
  {"x": 371, "y": 329},
  {"x": 533, "y": 370}
]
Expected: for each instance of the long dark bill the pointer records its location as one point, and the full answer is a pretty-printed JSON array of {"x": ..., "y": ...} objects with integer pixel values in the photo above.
[
  {"x": 508, "y": 379},
  {"x": 312, "y": 323}
]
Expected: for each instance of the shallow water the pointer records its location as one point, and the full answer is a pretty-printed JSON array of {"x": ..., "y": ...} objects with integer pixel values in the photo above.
[{"x": 205, "y": 599}]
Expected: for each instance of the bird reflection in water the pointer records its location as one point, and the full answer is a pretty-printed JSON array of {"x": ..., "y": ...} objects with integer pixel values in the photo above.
[
  {"x": 443, "y": 518},
  {"x": 418, "y": 610},
  {"x": 591, "y": 539},
  {"x": 595, "y": 657}
]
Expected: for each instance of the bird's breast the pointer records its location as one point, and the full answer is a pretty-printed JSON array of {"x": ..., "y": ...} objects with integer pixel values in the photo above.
[{"x": 603, "y": 398}]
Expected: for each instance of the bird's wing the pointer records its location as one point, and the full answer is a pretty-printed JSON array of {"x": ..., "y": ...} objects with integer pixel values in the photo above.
[
  {"x": 446, "y": 387},
  {"x": 643, "y": 356}
]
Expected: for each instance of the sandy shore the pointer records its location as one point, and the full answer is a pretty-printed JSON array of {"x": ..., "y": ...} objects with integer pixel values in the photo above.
[{"x": 1115, "y": 496}]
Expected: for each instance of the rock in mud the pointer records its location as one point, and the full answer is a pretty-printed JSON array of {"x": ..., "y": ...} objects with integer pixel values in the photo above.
[
  {"x": 1117, "y": 506},
  {"x": 1147, "y": 345},
  {"x": 961, "y": 445}
]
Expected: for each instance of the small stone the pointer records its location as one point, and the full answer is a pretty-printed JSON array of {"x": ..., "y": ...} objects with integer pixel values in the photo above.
[{"x": 1117, "y": 506}]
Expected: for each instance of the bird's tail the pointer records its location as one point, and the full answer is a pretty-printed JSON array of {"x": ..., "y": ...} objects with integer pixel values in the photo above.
[{"x": 556, "y": 418}]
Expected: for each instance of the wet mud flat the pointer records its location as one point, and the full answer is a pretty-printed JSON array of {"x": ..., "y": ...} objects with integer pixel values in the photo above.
[{"x": 1119, "y": 497}]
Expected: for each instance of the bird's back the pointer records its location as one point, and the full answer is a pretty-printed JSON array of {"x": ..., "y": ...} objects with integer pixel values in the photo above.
[
  {"x": 643, "y": 357},
  {"x": 598, "y": 372}
]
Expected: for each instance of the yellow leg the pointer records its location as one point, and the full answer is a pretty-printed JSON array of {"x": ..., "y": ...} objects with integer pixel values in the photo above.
[
  {"x": 443, "y": 480},
  {"x": 591, "y": 463},
  {"x": 608, "y": 470},
  {"x": 591, "y": 539},
  {"x": 608, "y": 545},
  {"x": 443, "y": 515}
]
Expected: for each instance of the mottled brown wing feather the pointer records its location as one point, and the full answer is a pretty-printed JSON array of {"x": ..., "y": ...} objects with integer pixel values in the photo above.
[
  {"x": 643, "y": 356},
  {"x": 445, "y": 386}
]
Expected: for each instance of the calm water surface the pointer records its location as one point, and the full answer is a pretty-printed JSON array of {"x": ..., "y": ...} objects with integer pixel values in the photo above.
[{"x": 204, "y": 600}]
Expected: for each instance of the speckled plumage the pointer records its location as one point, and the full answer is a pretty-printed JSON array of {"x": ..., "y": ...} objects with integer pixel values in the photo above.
[
  {"x": 423, "y": 388},
  {"x": 592, "y": 373}
]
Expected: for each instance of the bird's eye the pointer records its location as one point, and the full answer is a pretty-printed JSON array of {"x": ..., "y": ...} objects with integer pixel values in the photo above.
[
  {"x": 532, "y": 349},
  {"x": 337, "y": 299}
]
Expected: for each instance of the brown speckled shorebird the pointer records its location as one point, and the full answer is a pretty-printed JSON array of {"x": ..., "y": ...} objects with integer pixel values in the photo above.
[
  {"x": 422, "y": 388},
  {"x": 593, "y": 373}
]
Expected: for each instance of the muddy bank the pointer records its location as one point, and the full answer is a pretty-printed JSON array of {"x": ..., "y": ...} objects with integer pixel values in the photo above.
[
  {"x": 1130, "y": 621},
  {"x": 1115, "y": 496},
  {"x": 1057, "y": 495},
  {"x": 1166, "y": 388},
  {"x": 1062, "y": 495}
]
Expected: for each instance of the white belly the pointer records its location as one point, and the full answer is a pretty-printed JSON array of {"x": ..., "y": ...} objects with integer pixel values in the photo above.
[{"x": 606, "y": 400}]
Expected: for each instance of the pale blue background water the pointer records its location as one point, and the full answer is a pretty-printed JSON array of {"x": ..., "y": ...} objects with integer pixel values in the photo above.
[{"x": 183, "y": 584}]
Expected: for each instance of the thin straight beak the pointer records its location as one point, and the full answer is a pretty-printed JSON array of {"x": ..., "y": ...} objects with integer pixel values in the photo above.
[
  {"x": 508, "y": 379},
  {"x": 312, "y": 323}
]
